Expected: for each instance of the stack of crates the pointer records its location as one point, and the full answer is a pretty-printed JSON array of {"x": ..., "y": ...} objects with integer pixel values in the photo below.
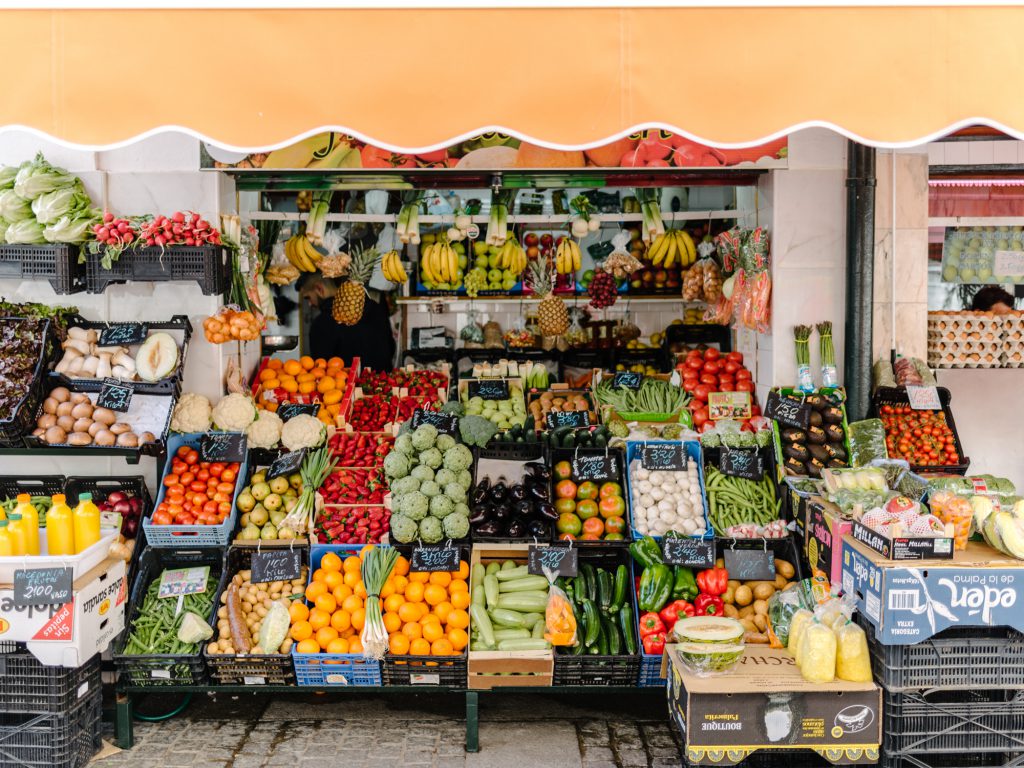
[
  {"x": 50, "y": 717},
  {"x": 955, "y": 700}
]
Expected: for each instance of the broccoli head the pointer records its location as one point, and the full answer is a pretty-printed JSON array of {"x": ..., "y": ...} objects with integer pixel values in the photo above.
[{"x": 476, "y": 430}]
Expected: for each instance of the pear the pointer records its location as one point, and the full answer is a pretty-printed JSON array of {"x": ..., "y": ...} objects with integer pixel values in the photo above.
[
  {"x": 277, "y": 516},
  {"x": 286, "y": 533},
  {"x": 269, "y": 531},
  {"x": 259, "y": 515},
  {"x": 249, "y": 533},
  {"x": 279, "y": 484}
]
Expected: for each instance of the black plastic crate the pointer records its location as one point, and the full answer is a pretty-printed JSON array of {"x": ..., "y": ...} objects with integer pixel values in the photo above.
[
  {"x": 252, "y": 669},
  {"x": 28, "y": 686},
  {"x": 923, "y": 722},
  {"x": 694, "y": 334},
  {"x": 39, "y": 485},
  {"x": 166, "y": 669},
  {"x": 954, "y": 760},
  {"x": 57, "y": 264},
  {"x": 585, "y": 358},
  {"x": 203, "y": 264},
  {"x": 54, "y": 740},
  {"x": 22, "y": 421},
  {"x": 520, "y": 453},
  {"x": 167, "y": 386},
  {"x": 898, "y": 396}
]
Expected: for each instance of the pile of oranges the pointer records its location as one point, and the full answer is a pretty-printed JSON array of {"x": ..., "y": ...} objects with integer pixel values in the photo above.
[
  {"x": 426, "y": 614},
  {"x": 305, "y": 380},
  {"x": 336, "y": 610}
]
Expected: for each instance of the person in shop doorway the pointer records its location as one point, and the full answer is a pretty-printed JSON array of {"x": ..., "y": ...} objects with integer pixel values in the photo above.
[
  {"x": 371, "y": 339},
  {"x": 992, "y": 299}
]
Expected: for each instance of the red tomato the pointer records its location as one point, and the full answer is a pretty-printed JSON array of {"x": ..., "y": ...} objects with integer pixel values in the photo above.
[
  {"x": 712, "y": 366},
  {"x": 228, "y": 475},
  {"x": 196, "y": 486},
  {"x": 690, "y": 385},
  {"x": 736, "y": 357},
  {"x": 744, "y": 385},
  {"x": 216, "y": 468},
  {"x": 701, "y": 392},
  {"x": 731, "y": 366},
  {"x": 726, "y": 386},
  {"x": 182, "y": 452},
  {"x": 743, "y": 373},
  {"x": 203, "y": 474},
  {"x": 690, "y": 373},
  {"x": 693, "y": 353},
  {"x": 162, "y": 517},
  {"x": 711, "y": 354},
  {"x": 695, "y": 363},
  {"x": 707, "y": 426},
  {"x": 170, "y": 480},
  {"x": 187, "y": 477},
  {"x": 192, "y": 456},
  {"x": 709, "y": 378},
  {"x": 699, "y": 417},
  {"x": 755, "y": 410}
]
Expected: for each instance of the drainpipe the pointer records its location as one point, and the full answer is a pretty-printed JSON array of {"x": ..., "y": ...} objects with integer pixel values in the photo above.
[{"x": 860, "y": 262}]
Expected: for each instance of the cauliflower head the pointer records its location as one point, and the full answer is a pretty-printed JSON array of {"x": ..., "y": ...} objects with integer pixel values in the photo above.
[
  {"x": 458, "y": 458},
  {"x": 430, "y": 530},
  {"x": 265, "y": 432},
  {"x": 192, "y": 413},
  {"x": 424, "y": 436},
  {"x": 234, "y": 413},
  {"x": 303, "y": 431},
  {"x": 456, "y": 526},
  {"x": 404, "y": 529}
]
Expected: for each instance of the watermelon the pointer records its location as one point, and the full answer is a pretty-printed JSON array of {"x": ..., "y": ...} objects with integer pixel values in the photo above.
[{"x": 713, "y": 630}]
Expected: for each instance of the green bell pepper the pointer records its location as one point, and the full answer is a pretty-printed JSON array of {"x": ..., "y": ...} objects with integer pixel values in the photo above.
[
  {"x": 646, "y": 552},
  {"x": 655, "y": 587}
]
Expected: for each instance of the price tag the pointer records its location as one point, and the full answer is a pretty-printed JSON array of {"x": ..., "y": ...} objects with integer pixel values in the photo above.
[
  {"x": 222, "y": 446},
  {"x": 286, "y": 464},
  {"x": 924, "y": 398},
  {"x": 276, "y": 565},
  {"x": 123, "y": 334},
  {"x": 435, "y": 559},
  {"x": 1008, "y": 264},
  {"x": 788, "y": 411},
  {"x": 115, "y": 395},
  {"x": 446, "y": 423},
  {"x": 691, "y": 553},
  {"x": 576, "y": 419},
  {"x": 741, "y": 462},
  {"x": 43, "y": 586},
  {"x": 563, "y": 561},
  {"x": 627, "y": 379},
  {"x": 489, "y": 389},
  {"x": 291, "y": 410},
  {"x": 667, "y": 456},
  {"x": 729, "y": 405},
  {"x": 749, "y": 564},
  {"x": 178, "y": 582},
  {"x": 601, "y": 467}
]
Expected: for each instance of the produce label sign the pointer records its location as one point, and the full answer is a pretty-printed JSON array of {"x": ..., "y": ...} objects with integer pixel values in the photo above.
[
  {"x": 43, "y": 586},
  {"x": 728, "y": 405},
  {"x": 432, "y": 559},
  {"x": 276, "y": 565},
  {"x": 446, "y": 423},
  {"x": 602, "y": 467},
  {"x": 291, "y": 410},
  {"x": 489, "y": 389},
  {"x": 1009, "y": 263},
  {"x": 627, "y": 379},
  {"x": 577, "y": 419},
  {"x": 123, "y": 334},
  {"x": 924, "y": 398},
  {"x": 788, "y": 411},
  {"x": 286, "y": 464},
  {"x": 177, "y": 582},
  {"x": 690, "y": 553},
  {"x": 222, "y": 446},
  {"x": 115, "y": 395},
  {"x": 563, "y": 561},
  {"x": 740, "y": 462},
  {"x": 668, "y": 456},
  {"x": 749, "y": 564}
]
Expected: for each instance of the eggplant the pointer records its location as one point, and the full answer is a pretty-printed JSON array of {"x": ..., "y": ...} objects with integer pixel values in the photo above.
[
  {"x": 539, "y": 493},
  {"x": 481, "y": 514},
  {"x": 502, "y": 512},
  {"x": 499, "y": 492},
  {"x": 480, "y": 495},
  {"x": 490, "y": 528},
  {"x": 517, "y": 492},
  {"x": 516, "y": 529},
  {"x": 538, "y": 529},
  {"x": 524, "y": 509},
  {"x": 546, "y": 510},
  {"x": 539, "y": 471}
]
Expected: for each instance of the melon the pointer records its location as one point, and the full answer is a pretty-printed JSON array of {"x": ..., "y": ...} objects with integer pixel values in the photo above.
[
  {"x": 532, "y": 156},
  {"x": 709, "y": 658},
  {"x": 157, "y": 357},
  {"x": 710, "y": 630}
]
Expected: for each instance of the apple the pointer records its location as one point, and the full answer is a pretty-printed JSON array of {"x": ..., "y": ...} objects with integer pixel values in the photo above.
[
  {"x": 530, "y": 240},
  {"x": 546, "y": 240}
]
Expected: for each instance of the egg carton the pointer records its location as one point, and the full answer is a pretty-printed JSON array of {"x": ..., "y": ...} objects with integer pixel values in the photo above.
[
  {"x": 950, "y": 336},
  {"x": 962, "y": 359},
  {"x": 963, "y": 321},
  {"x": 1013, "y": 359}
]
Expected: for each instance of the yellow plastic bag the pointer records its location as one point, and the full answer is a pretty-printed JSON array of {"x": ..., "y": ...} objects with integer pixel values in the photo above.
[
  {"x": 818, "y": 653},
  {"x": 853, "y": 662}
]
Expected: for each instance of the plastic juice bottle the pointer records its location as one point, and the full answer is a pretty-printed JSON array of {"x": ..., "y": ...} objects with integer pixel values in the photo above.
[
  {"x": 60, "y": 528},
  {"x": 87, "y": 523},
  {"x": 16, "y": 527},
  {"x": 30, "y": 518},
  {"x": 6, "y": 545}
]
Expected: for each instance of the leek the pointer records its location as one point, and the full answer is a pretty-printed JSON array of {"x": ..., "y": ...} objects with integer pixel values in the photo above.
[
  {"x": 13, "y": 207},
  {"x": 25, "y": 232},
  {"x": 38, "y": 177}
]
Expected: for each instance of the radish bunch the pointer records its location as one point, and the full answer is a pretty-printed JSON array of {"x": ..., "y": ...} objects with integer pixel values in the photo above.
[
  {"x": 115, "y": 232},
  {"x": 179, "y": 228}
]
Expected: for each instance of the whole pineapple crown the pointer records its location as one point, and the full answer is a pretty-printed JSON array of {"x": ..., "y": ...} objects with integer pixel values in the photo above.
[
  {"x": 539, "y": 276},
  {"x": 363, "y": 262}
]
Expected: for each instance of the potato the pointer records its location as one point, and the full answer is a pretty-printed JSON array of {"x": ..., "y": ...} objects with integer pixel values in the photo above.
[
  {"x": 729, "y": 596},
  {"x": 786, "y": 569},
  {"x": 755, "y": 638},
  {"x": 780, "y": 581},
  {"x": 763, "y": 591},
  {"x": 745, "y": 611},
  {"x": 286, "y": 646},
  {"x": 222, "y": 612},
  {"x": 261, "y": 610},
  {"x": 730, "y": 611},
  {"x": 761, "y": 606},
  {"x": 733, "y": 583},
  {"x": 213, "y": 648},
  {"x": 748, "y": 625},
  {"x": 744, "y": 595},
  {"x": 761, "y": 622}
]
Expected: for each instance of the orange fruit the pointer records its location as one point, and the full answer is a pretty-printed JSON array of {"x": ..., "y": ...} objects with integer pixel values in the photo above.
[
  {"x": 388, "y": 589},
  {"x": 320, "y": 575},
  {"x": 432, "y": 631},
  {"x": 441, "y": 647},
  {"x": 341, "y": 620},
  {"x": 401, "y": 567},
  {"x": 419, "y": 577},
  {"x": 355, "y": 645},
  {"x": 272, "y": 383},
  {"x": 308, "y": 646},
  {"x": 341, "y": 591},
  {"x": 429, "y": 618},
  {"x": 268, "y": 373},
  {"x": 352, "y": 564},
  {"x": 292, "y": 367},
  {"x": 333, "y": 397},
  {"x": 306, "y": 387},
  {"x": 330, "y": 562},
  {"x": 298, "y": 611},
  {"x": 274, "y": 364},
  {"x": 419, "y": 647},
  {"x": 364, "y": 550},
  {"x": 458, "y": 618},
  {"x": 307, "y": 362},
  {"x": 336, "y": 362},
  {"x": 433, "y": 594},
  {"x": 326, "y": 602},
  {"x": 393, "y": 602},
  {"x": 314, "y": 590},
  {"x": 458, "y": 638},
  {"x": 414, "y": 592},
  {"x": 441, "y": 610},
  {"x": 400, "y": 584},
  {"x": 333, "y": 579},
  {"x": 352, "y": 603},
  {"x": 460, "y": 600},
  {"x": 351, "y": 579},
  {"x": 300, "y": 631},
  {"x": 358, "y": 619},
  {"x": 360, "y": 590},
  {"x": 412, "y": 630},
  {"x": 463, "y": 571},
  {"x": 324, "y": 635},
  {"x": 320, "y": 362},
  {"x": 458, "y": 585},
  {"x": 392, "y": 622},
  {"x": 319, "y": 619},
  {"x": 440, "y": 578},
  {"x": 398, "y": 644},
  {"x": 408, "y": 612},
  {"x": 290, "y": 385},
  {"x": 326, "y": 384},
  {"x": 337, "y": 645}
]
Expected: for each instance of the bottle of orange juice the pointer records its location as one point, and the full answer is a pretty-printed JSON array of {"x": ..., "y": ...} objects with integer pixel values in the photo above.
[
  {"x": 87, "y": 523},
  {"x": 16, "y": 527},
  {"x": 6, "y": 544},
  {"x": 30, "y": 518},
  {"x": 60, "y": 528}
]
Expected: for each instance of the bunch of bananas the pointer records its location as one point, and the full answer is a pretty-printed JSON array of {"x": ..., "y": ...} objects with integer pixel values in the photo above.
[
  {"x": 302, "y": 254},
  {"x": 439, "y": 263},
  {"x": 567, "y": 256},
  {"x": 391, "y": 266},
  {"x": 511, "y": 256},
  {"x": 676, "y": 245}
]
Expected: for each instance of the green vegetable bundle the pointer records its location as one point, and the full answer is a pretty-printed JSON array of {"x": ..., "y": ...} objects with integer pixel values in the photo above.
[
  {"x": 736, "y": 500},
  {"x": 604, "y": 614},
  {"x": 155, "y": 628},
  {"x": 653, "y": 396}
]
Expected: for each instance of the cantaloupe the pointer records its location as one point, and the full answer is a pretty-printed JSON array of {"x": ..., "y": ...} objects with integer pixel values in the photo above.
[{"x": 157, "y": 357}]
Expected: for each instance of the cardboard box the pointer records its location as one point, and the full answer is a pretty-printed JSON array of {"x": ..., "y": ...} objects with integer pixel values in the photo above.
[
  {"x": 904, "y": 547},
  {"x": 765, "y": 704},
  {"x": 825, "y": 525},
  {"x": 909, "y": 602},
  {"x": 501, "y": 669},
  {"x": 69, "y": 635}
]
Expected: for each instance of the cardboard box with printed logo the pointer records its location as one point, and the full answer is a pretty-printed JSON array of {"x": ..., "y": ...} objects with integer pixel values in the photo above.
[{"x": 825, "y": 527}]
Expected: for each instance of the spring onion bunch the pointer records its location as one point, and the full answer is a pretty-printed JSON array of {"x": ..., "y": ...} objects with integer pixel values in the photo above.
[
  {"x": 376, "y": 568},
  {"x": 651, "y": 210},
  {"x": 316, "y": 225},
  {"x": 502, "y": 201},
  {"x": 316, "y": 466},
  {"x": 407, "y": 227}
]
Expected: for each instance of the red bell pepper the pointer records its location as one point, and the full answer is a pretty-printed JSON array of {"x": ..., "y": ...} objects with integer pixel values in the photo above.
[
  {"x": 713, "y": 581},
  {"x": 708, "y": 605},
  {"x": 650, "y": 623},
  {"x": 675, "y": 610},
  {"x": 654, "y": 644}
]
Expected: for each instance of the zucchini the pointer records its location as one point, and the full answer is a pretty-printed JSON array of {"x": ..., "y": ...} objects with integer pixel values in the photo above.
[
  {"x": 602, "y": 640},
  {"x": 509, "y": 565},
  {"x": 492, "y": 568},
  {"x": 491, "y": 590},
  {"x": 532, "y": 619},
  {"x": 592, "y": 621},
  {"x": 538, "y": 630},
  {"x": 525, "y": 584},
  {"x": 507, "y": 618},
  {"x": 478, "y": 595},
  {"x": 515, "y": 573},
  {"x": 619, "y": 591},
  {"x": 531, "y": 644},
  {"x": 511, "y": 634},
  {"x": 478, "y": 575},
  {"x": 611, "y": 631},
  {"x": 586, "y": 570},
  {"x": 482, "y": 624},
  {"x": 524, "y": 602},
  {"x": 604, "y": 589},
  {"x": 626, "y": 625}
]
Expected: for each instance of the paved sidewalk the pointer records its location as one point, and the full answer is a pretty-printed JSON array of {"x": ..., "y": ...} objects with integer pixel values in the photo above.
[{"x": 416, "y": 731}]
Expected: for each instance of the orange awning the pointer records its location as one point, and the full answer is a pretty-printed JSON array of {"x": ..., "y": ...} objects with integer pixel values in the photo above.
[{"x": 410, "y": 80}]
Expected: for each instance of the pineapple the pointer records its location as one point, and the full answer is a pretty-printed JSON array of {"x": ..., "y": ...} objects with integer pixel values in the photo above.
[
  {"x": 552, "y": 314},
  {"x": 350, "y": 299}
]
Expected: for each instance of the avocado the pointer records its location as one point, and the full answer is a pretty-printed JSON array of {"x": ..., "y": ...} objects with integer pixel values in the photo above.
[
  {"x": 814, "y": 467},
  {"x": 835, "y": 451},
  {"x": 816, "y": 436},
  {"x": 818, "y": 452},
  {"x": 834, "y": 433},
  {"x": 796, "y": 451},
  {"x": 817, "y": 402},
  {"x": 815, "y": 419},
  {"x": 794, "y": 467},
  {"x": 832, "y": 415},
  {"x": 794, "y": 436}
]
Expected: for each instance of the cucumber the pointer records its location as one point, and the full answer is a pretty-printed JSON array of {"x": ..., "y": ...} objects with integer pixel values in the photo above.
[
  {"x": 525, "y": 584},
  {"x": 482, "y": 624},
  {"x": 491, "y": 590},
  {"x": 524, "y": 645},
  {"x": 511, "y": 634},
  {"x": 514, "y": 573},
  {"x": 478, "y": 575},
  {"x": 586, "y": 570},
  {"x": 507, "y": 618},
  {"x": 525, "y": 602},
  {"x": 492, "y": 568}
]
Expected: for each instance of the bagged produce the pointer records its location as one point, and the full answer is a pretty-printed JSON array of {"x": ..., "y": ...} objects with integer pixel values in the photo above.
[
  {"x": 559, "y": 621},
  {"x": 867, "y": 442},
  {"x": 817, "y": 659},
  {"x": 797, "y": 625},
  {"x": 852, "y": 660}
]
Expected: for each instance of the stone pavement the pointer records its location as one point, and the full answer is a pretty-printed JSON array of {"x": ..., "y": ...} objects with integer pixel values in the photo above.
[{"x": 416, "y": 731}]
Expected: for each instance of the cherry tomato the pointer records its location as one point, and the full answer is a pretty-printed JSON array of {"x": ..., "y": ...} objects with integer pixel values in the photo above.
[
  {"x": 203, "y": 474},
  {"x": 216, "y": 468},
  {"x": 187, "y": 477},
  {"x": 192, "y": 456},
  {"x": 196, "y": 486},
  {"x": 182, "y": 451}
]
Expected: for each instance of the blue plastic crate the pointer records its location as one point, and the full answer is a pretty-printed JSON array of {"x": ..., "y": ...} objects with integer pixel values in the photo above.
[
  {"x": 693, "y": 451},
  {"x": 192, "y": 535},
  {"x": 325, "y": 669},
  {"x": 650, "y": 672}
]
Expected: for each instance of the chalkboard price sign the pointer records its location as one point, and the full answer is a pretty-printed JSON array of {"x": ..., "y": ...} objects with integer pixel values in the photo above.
[
  {"x": 276, "y": 565},
  {"x": 222, "y": 446},
  {"x": 446, "y": 423},
  {"x": 668, "y": 457},
  {"x": 749, "y": 564},
  {"x": 577, "y": 419},
  {"x": 286, "y": 464},
  {"x": 291, "y": 410},
  {"x": 741, "y": 462},
  {"x": 435, "y": 559},
  {"x": 691, "y": 553},
  {"x": 489, "y": 389},
  {"x": 115, "y": 395},
  {"x": 563, "y": 561},
  {"x": 597, "y": 468},
  {"x": 788, "y": 411},
  {"x": 43, "y": 586},
  {"x": 123, "y": 334},
  {"x": 627, "y": 379}
]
